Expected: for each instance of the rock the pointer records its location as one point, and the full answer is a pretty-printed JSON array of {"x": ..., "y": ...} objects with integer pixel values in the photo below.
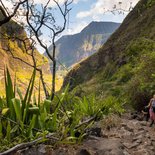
[
  {"x": 153, "y": 143},
  {"x": 127, "y": 135},
  {"x": 94, "y": 131},
  {"x": 125, "y": 152},
  {"x": 83, "y": 152},
  {"x": 90, "y": 137},
  {"x": 143, "y": 123},
  {"x": 147, "y": 135},
  {"x": 110, "y": 152},
  {"x": 141, "y": 152},
  {"x": 103, "y": 146},
  {"x": 129, "y": 128},
  {"x": 143, "y": 132},
  {"x": 137, "y": 137},
  {"x": 131, "y": 145},
  {"x": 42, "y": 149},
  {"x": 127, "y": 145},
  {"x": 123, "y": 124},
  {"x": 151, "y": 148},
  {"x": 105, "y": 135},
  {"x": 59, "y": 152}
]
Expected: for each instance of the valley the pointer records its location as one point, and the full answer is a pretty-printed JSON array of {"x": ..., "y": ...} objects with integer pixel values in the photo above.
[{"x": 103, "y": 86}]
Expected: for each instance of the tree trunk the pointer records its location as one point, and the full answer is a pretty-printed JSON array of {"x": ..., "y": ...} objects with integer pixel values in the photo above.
[
  {"x": 43, "y": 84},
  {"x": 53, "y": 79},
  {"x": 53, "y": 71}
]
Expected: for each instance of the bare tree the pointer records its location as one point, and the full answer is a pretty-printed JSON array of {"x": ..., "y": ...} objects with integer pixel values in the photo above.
[
  {"x": 6, "y": 16},
  {"x": 44, "y": 18},
  {"x": 39, "y": 18}
]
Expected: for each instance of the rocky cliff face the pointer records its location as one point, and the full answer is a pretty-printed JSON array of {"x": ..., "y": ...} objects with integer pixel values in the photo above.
[
  {"x": 23, "y": 71},
  {"x": 73, "y": 48}
]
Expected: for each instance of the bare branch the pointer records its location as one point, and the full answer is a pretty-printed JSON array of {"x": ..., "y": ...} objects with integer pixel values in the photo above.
[
  {"x": 8, "y": 17},
  {"x": 29, "y": 144}
]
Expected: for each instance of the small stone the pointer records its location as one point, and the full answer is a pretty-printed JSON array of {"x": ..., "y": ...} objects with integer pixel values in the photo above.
[
  {"x": 141, "y": 152},
  {"x": 147, "y": 135},
  {"x": 151, "y": 148},
  {"x": 139, "y": 141},
  {"x": 143, "y": 132},
  {"x": 133, "y": 145},
  {"x": 143, "y": 123},
  {"x": 153, "y": 143},
  {"x": 105, "y": 135},
  {"x": 42, "y": 149},
  {"x": 83, "y": 152},
  {"x": 123, "y": 124},
  {"x": 125, "y": 152},
  {"x": 137, "y": 138},
  {"x": 127, "y": 145}
]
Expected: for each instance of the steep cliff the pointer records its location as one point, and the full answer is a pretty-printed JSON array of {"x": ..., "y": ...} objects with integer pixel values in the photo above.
[
  {"x": 124, "y": 65},
  {"x": 23, "y": 71},
  {"x": 73, "y": 48}
]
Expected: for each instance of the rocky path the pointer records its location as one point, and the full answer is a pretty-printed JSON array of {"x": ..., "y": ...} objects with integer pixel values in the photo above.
[{"x": 126, "y": 137}]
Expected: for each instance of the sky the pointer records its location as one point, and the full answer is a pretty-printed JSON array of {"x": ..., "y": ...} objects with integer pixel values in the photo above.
[{"x": 85, "y": 11}]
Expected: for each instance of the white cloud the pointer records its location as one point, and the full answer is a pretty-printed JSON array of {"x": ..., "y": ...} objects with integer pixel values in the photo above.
[
  {"x": 76, "y": 1},
  {"x": 76, "y": 28},
  {"x": 102, "y": 6},
  {"x": 52, "y": 3}
]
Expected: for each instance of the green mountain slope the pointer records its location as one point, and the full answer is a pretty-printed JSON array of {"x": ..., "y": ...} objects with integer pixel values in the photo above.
[
  {"x": 73, "y": 48},
  {"x": 124, "y": 67}
]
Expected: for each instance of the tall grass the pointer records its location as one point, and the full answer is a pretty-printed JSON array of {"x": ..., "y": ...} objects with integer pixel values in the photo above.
[{"x": 25, "y": 117}]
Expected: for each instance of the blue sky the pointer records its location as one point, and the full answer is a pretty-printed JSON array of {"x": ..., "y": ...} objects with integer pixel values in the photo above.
[
  {"x": 82, "y": 13},
  {"x": 85, "y": 11}
]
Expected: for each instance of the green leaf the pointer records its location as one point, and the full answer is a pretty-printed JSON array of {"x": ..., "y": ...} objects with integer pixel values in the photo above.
[
  {"x": 20, "y": 94},
  {"x": 5, "y": 111},
  {"x": 17, "y": 107},
  {"x": 8, "y": 131},
  {"x": 1, "y": 133},
  {"x": 15, "y": 129},
  {"x": 31, "y": 126},
  {"x": 27, "y": 98},
  {"x": 34, "y": 100},
  {"x": 47, "y": 105},
  {"x": 34, "y": 110},
  {"x": 9, "y": 93}
]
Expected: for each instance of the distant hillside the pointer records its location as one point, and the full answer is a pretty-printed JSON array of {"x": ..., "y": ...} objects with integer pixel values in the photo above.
[
  {"x": 124, "y": 67},
  {"x": 73, "y": 48},
  {"x": 23, "y": 71}
]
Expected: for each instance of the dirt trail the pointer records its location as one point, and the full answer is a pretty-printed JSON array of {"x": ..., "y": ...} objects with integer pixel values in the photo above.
[{"x": 129, "y": 137}]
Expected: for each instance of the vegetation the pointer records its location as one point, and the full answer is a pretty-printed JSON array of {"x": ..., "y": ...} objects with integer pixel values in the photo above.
[
  {"x": 132, "y": 83},
  {"x": 127, "y": 78},
  {"x": 124, "y": 66},
  {"x": 27, "y": 117}
]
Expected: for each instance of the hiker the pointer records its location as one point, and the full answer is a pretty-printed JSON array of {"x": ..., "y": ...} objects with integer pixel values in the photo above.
[{"x": 151, "y": 106}]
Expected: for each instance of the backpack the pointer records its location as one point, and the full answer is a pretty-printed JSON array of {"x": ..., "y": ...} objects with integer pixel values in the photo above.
[{"x": 153, "y": 105}]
